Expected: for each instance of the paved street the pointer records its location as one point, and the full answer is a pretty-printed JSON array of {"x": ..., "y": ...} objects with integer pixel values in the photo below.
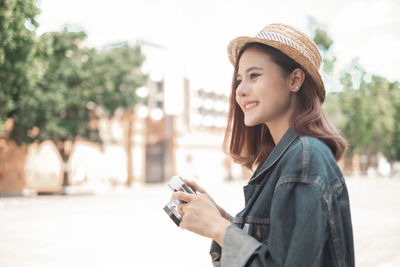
[{"x": 127, "y": 227}]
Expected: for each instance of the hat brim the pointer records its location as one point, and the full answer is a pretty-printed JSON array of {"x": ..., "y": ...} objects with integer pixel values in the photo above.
[{"x": 237, "y": 44}]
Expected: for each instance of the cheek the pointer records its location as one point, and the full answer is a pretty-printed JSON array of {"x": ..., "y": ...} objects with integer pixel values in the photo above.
[{"x": 274, "y": 95}]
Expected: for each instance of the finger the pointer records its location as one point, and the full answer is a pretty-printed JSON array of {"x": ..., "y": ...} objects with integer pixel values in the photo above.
[
  {"x": 194, "y": 185},
  {"x": 183, "y": 196},
  {"x": 180, "y": 209},
  {"x": 182, "y": 225}
]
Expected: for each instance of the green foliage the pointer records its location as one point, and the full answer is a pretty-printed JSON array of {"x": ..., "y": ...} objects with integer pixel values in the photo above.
[
  {"x": 366, "y": 110},
  {"x": 21, "y": 65},
  {"x": 53, "y": 86},
  {"x": 116, "y": 75},
  {"x": 62, "y": 94},
  {"x": 370, "y": 114},
  {"x": 324, "y": 42},
  {"x": 322, "y": 39},
  {"x": 79, "y": 80},
  {"x": 394, "y": 150}
]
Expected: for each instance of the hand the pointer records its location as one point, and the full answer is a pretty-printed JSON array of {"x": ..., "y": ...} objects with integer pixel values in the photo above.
[
  {"x": 198, "y": 188},
  {"x": 201, "y": 216}
]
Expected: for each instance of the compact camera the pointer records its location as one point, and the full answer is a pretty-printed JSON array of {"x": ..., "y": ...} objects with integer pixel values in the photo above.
[{"x": 176, "y": 183}]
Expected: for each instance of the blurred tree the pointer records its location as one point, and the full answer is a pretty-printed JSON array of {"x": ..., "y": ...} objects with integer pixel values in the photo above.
[
  {"x": 116, "y": 76},
  {"x": 324, "y": 42},
  {"x": 22, "y": 65},
  {"x": 369, "y": 112},
  {"x": 50, "y": 86},
  {"x": 64, "y": 91},
  {"x": 395, "y": 146},
  {"x": 366, "y": 108},
  {"x": 78, "y": 81},
  {"x": 331, "y": 105}
]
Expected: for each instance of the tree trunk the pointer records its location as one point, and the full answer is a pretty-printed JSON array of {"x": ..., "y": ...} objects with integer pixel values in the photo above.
[
  {"x": 64, "y": 155},
  {"x": 12, "y": 174},
  {"x": 129, "y": 143}
]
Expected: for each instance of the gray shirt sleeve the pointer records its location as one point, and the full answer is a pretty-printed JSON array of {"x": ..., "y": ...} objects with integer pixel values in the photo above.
[
  {"x": 238, "y": 247},
  {"x": 215, "y": 250}
]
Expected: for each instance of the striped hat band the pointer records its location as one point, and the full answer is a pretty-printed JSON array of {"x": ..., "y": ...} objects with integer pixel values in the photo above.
[{"x": 283, "y": 39}]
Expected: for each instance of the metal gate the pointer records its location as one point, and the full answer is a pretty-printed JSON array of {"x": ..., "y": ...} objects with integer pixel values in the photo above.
[{"x": 155, "y": 162}]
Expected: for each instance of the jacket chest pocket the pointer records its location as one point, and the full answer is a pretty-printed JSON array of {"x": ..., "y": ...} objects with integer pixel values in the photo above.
[{"x": 255, "y": 226}]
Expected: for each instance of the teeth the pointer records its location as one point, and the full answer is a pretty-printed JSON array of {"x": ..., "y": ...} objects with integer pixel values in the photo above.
[{"x": 250, "y": 105}]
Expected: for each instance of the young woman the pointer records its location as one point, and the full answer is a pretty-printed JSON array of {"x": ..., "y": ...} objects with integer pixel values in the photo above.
[{"x": 296, "y": 202}]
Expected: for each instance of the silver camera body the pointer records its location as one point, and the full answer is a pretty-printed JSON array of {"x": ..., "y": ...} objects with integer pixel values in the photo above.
[{"x": 176, "y": 183}]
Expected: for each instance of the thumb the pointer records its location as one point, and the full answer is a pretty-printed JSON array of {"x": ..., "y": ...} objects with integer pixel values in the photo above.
[{"x": 194, "y": 186}]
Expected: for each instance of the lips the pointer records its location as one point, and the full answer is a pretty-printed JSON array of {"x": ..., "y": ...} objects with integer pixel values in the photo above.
[{"x": 250, "y": 105}]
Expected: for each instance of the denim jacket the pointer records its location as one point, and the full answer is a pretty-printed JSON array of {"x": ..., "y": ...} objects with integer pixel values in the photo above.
[{"x": 296, "y": 212}]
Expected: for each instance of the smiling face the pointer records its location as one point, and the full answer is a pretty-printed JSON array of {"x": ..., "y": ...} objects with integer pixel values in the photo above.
[{"x": 263, "y": 93}]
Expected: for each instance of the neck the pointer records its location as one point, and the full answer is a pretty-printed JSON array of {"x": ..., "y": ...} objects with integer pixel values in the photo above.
[
  {"x": 279, "y": 126},
  {"x": 277, "y": 129}
]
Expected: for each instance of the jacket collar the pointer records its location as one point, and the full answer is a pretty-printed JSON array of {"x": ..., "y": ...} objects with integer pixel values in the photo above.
[{"x": 283, "y": 144}]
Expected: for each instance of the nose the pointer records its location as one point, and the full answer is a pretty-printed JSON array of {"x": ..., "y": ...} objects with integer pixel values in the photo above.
[{"x": 242, "y": 90}]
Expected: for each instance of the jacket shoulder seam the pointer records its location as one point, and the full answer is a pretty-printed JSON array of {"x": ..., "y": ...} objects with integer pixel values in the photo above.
[
  {"x": 317, "y": 181},
  {"x": 306, "y": 156}
]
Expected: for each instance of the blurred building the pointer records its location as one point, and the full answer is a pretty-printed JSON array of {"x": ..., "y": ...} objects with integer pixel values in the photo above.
[
  {"x": 179, "y": 130},
  {"x": 181, "y": 127}
]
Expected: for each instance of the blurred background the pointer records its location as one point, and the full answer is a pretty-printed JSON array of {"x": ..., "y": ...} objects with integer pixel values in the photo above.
[{"x": 102, "y": 101}]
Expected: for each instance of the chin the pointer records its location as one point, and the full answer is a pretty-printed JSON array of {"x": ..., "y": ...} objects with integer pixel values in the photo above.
[{"x": 250, "y": 123}]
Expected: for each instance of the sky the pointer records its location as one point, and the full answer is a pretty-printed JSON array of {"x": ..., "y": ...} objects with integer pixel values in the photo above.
[{"x": 196, "y": 33}]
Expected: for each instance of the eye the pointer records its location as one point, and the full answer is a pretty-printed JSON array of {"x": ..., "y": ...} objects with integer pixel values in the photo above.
[
  {"x": 254, "y": 75},
  {"x": 238, "y": 82}
]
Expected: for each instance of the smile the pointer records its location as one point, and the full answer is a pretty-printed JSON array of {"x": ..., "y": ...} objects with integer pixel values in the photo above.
[{"x": 250, "y": 106}]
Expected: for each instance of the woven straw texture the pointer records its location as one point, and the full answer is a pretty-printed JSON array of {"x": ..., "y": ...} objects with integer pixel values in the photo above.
[{"x": 292, "y": 42}]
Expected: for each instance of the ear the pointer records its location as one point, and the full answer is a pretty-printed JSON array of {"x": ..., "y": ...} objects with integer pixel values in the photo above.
[{"x": 296, "y": 79}]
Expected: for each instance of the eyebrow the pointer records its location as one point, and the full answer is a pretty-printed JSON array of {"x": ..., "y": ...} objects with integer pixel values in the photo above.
[{"x": 250, "y": 69}]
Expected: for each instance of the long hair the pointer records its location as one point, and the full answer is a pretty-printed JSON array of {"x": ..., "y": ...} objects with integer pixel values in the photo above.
[{"x": 250, "y": 146}]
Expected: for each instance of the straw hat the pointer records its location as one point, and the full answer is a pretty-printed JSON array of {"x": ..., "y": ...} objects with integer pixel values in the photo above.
[{"x": 291, "y": 42}]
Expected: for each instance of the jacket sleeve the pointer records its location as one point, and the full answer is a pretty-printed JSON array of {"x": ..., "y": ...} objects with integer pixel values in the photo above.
[
  {"x": 298, "y": 232},
  {"x": 215, "y": 249}
]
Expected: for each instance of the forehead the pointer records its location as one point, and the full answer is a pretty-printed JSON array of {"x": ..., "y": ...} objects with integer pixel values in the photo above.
[{"x": 253, "y": 57}]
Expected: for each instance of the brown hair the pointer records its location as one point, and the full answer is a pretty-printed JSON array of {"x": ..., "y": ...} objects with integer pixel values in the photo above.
[{"x": 250, "y": 146}]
